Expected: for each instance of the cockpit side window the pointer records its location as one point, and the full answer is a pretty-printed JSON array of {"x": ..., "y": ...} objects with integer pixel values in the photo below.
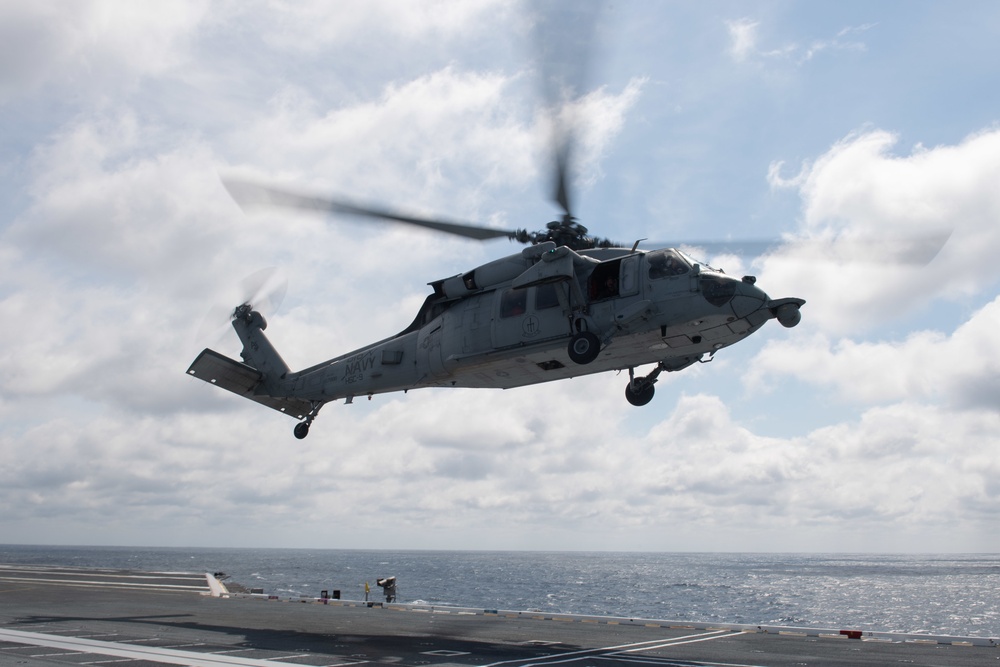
[
  {"x": 666, "y": 264},
  {"x": 546, "y": 296}
]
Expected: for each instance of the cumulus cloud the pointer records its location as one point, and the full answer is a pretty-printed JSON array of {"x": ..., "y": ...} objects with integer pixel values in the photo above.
[
  {"x": 93, "y": 47},
  {"x": 443, "y": 133},
  {"x": 909, "y": 464},
  {"x": 388, "y": 138},
  {"x": 861, "y": 203},
  {"x": 960, "y": 369},
  {"x": 122, "y": 237},
  {"x": 904, "y": 465},
  {"x": 106, "y": 200},
  {"x": 130, "y": 237}
]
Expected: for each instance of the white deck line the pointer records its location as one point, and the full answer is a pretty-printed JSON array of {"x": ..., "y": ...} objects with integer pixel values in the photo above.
[
  {"x": 79, "y": 572},
  {"x": 106, "y": 584},
  {"x": 131, "y": 652}
]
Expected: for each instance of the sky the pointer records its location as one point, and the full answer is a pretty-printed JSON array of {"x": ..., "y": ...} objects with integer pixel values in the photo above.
[{"x": 873, "y": 426}]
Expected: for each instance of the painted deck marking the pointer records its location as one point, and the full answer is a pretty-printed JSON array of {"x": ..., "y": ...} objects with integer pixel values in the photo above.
[
  {"x": 132, "y": 652},
  {"x": 610, "y": 651}
]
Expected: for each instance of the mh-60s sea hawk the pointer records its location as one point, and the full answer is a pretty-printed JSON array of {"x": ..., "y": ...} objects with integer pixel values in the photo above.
[{"x": 566, "y": 305}]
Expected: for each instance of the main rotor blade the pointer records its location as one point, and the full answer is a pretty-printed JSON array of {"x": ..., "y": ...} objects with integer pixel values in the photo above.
[
  {"x": 562, "y": 170},
  {"x": 739, "y": 247},
  {"x": 249, "y": 195},
  {"x": 916, "y": 249},
  {"x": 564, "y": 40}
]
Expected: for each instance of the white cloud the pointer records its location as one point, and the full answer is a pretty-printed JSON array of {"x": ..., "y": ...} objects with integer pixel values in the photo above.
[
  {"x": 908, "y": 467},
  {"x": 109, "y": 200},
  {"x": 961, "y": 369},
  {"x": 859, "y": 199},
  {"x": 841, "y": 42},
  {"x": 315, "y": 24},
  {"x": 95, "y": 47},
  {"x": 745, "y": 43},
  {"x": 600, "y": 116},
  {"x": 743, "y": 38},
  {"x": 447, "y": 138},
  {"x": 122, "y": 237},
  {"x": 415, "y": 140},
  {"x": 131, "y": 237}
]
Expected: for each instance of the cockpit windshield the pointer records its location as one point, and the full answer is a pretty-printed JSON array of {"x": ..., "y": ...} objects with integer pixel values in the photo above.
[
  {"x": 693, "y": 261},
  {"x": 667, "y": 263},
  {"x": 690, "y": 259}
]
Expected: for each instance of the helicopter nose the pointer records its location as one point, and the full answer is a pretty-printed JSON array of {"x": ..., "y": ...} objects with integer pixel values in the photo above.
[{"x": 748, "y": 298}]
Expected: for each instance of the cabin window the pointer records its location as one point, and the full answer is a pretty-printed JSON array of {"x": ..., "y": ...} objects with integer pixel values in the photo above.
[
  {"x": 546, "y": 296},
  {"x": 513, "y": 302},
  {"x": 666, "y": 264},
  {"x": 629, "y": 283}
]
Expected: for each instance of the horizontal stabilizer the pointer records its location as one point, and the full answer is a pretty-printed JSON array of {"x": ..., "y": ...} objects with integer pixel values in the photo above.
[{"x": 241, "y": 379}]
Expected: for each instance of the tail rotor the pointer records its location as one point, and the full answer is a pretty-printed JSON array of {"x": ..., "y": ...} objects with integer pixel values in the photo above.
[{"x": 262, "y": 291}]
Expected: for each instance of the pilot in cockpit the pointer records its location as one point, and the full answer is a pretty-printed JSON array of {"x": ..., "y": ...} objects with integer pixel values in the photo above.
[{"x": 664, "y": 264}]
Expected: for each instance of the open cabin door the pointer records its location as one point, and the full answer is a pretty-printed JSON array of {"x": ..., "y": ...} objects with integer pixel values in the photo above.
[{"x": 614, "y": 278}]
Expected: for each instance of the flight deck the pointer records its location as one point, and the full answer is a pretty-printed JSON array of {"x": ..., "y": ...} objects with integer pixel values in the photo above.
[{"x": 73, "y": 616}]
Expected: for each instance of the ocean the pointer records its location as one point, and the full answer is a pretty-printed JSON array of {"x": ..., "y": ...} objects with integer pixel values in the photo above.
[{"x": 934, "y": 594}]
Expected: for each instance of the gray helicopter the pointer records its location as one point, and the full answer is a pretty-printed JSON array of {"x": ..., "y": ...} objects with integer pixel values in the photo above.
[{"x": 567, "y": 305}]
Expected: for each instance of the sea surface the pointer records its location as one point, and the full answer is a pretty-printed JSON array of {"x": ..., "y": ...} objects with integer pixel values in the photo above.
[{"x": 935, "y": 594}]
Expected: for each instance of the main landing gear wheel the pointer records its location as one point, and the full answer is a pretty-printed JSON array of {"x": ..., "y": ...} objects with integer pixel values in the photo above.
[
  {"x": 584, "y": 347},
  {"x": 641, "y": 396},
  {"x": 301, "y": 430}
]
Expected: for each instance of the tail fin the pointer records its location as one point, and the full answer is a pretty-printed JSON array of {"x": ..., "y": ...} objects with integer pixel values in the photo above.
[
  {"x": 258, "y": 351},
  {"x": 259, "y": 377}
]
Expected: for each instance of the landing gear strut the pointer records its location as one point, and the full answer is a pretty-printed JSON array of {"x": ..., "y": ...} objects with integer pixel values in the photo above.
[
  {"x": 639, "y": 390},
  {"x": 302, "y": 428}
]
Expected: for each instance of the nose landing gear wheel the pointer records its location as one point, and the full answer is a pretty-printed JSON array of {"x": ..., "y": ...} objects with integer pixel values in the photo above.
[
  {"x": 301, "y": 430},
  {"x": 584, "y": 347}
]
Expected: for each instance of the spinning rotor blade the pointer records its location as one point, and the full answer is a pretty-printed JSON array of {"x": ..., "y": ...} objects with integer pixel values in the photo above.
[
  {"x": 249, "y": 195},
  {"x": 264, "y": 290},
  {"x": 562, "y": 169},
  {"x": 738, "y": 247},
  {"x": 908, "y": 249},
  {"x": 916, "y": 250},
  {"x": 564, "y": 40}
]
